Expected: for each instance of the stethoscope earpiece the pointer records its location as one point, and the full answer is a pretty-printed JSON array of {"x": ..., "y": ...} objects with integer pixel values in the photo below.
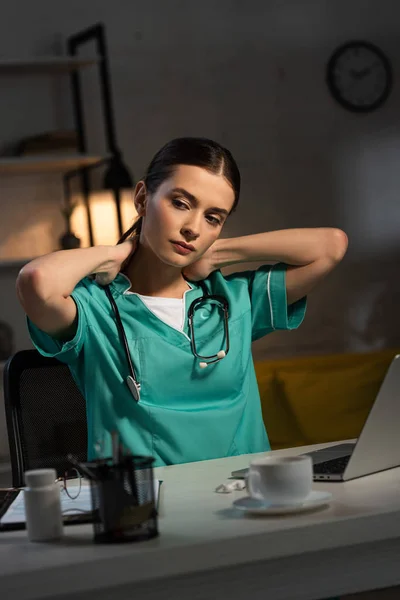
[
  {"x": 220, "y": 355},
  {"x": 223, "y": 303}
]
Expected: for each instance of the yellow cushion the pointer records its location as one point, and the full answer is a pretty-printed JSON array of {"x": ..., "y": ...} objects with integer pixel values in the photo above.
[
  {"x": 317, "y": 399},
  {"x": 282, "y": 429}
]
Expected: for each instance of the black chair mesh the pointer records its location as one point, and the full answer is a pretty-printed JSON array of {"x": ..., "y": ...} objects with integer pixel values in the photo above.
[{"x": 49, "y": 417}]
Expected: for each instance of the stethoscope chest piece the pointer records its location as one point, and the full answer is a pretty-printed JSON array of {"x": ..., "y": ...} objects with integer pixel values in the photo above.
[{"x": 134, "y": 387}]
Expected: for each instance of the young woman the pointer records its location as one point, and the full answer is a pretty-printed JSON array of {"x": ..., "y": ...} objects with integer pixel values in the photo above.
[{"x": 175, "y": 385}]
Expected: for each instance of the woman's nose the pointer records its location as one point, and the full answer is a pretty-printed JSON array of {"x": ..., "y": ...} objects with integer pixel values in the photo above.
[
  {"x": 189, "y": 233},
  {"x": 191, "y": 227}
]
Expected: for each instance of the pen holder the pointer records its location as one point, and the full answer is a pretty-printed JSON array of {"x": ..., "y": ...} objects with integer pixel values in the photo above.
[{"x": 123, "y": 499}]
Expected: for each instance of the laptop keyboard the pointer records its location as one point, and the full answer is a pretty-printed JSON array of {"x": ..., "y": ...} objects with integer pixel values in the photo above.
[{"x": 334, "y": 466}]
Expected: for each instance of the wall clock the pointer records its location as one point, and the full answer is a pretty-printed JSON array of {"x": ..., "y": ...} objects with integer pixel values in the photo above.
[{"x": 359, "y": 76}]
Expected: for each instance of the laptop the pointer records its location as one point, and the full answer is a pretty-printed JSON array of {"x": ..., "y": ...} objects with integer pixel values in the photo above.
[{"x": 378, "y": 445}]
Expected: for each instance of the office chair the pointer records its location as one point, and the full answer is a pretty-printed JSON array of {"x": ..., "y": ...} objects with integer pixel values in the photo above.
[{"x": 45, "y": 415}]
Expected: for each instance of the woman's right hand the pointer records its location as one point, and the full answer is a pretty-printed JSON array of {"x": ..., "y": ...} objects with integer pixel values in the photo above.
[{"x": 120, "y": 257}]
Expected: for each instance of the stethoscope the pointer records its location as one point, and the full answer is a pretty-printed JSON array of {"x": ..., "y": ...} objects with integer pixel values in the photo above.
[{"x": 131, "y": 380}]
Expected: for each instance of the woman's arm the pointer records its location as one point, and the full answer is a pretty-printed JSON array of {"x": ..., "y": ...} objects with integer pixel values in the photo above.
[
  {"x": 44, "y": 285},
  {"x": 310, "y": 253}
]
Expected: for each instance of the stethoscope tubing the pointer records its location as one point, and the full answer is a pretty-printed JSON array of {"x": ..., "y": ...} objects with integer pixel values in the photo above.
[{"x": 132, "y": 380}]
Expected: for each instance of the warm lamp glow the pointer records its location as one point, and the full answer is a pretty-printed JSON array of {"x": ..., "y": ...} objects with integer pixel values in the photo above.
[{"x": 104, "y": 217}]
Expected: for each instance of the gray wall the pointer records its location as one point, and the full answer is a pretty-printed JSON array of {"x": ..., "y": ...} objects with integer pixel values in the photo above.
[{"x": 251, "y": 75}]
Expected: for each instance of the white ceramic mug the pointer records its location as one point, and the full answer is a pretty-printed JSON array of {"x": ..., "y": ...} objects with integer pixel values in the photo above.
[{"x": 280, "y": 479}]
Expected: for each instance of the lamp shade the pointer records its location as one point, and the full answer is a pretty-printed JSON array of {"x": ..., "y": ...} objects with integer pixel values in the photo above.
[
  {"x": 117, "y": 175},
  {"x": 104, "y": 217},
  {"x": 111, "y": 210}
]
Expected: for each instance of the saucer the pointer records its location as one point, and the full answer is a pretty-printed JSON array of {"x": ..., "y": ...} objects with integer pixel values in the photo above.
[{"x": 259, "y": 507}]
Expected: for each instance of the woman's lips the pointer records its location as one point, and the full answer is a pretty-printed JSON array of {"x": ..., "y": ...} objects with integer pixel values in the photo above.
[{"x": 182, "y": 249}]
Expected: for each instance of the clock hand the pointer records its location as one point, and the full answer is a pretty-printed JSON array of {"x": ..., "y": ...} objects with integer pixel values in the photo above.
[
  {"x": 354, "y": 73},
  {"x": 359, "y": 74},
  {"x": 365, "y": 72}
]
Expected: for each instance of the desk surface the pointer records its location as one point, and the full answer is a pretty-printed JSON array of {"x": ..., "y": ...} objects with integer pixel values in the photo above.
[{"x": 200, "y": 531}]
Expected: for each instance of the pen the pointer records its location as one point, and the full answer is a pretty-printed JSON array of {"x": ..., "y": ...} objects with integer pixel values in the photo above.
[{"x": 81, "y": 467}]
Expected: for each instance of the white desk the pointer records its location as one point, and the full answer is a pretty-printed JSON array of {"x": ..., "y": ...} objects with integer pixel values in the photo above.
[{"x": 207, "y": 550}]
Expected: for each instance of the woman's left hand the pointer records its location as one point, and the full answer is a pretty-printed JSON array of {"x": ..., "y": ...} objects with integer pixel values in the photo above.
[{"x": 201, "y": 268}]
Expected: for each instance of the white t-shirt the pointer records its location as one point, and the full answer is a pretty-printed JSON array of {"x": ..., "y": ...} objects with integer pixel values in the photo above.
[{"x": 169, "y": 310}]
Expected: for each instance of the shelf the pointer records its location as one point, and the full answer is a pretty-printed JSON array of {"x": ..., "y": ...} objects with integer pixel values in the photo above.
[
  {"x": 45, "y": 163},
  {"x": 49, "y": 64}
]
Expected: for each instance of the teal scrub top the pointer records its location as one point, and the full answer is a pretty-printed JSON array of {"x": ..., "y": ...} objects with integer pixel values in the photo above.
[{"x": 185, "y": 413}]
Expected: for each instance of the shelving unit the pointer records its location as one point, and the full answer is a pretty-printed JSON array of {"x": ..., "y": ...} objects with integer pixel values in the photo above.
[
  {"x": 45, "y": 163},
  {"x": 80, "y": 163},
  {"x": 58, "y": 162},
  {"x": 44, "y": 64},
  {"x": 42, "y": 163}
]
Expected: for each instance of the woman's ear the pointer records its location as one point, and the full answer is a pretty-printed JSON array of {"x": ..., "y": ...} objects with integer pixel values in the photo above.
[{"x": 140, "y": 198}]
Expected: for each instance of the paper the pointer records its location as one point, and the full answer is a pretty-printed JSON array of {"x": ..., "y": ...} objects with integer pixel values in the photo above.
[
  {"x": 229, "y": 486},
  {"x": 82, "y": 504}
]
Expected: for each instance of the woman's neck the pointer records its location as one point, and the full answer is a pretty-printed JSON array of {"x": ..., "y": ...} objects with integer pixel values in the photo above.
[{"x": 149, "y": 276}]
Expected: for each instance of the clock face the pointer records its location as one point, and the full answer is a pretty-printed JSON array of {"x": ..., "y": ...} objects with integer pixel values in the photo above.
[{"x": 359, "y": 76}]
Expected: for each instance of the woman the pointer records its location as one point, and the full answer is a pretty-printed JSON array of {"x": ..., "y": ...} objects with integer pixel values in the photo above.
[{"x": 176, "y": 410}]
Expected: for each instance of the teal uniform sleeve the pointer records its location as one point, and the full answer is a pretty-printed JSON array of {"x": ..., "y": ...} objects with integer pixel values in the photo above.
[
  {"x": 68, "y": 351},
  {"x": 267, "y": 291}
]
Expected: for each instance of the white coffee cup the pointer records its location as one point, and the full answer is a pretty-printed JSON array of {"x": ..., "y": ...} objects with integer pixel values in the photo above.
[{"x": 280, "y": 479}]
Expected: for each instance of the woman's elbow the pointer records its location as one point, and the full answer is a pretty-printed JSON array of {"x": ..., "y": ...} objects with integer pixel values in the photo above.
[
  {"x": 336, "y": 244},
  {"x": 29, "y": 284}
]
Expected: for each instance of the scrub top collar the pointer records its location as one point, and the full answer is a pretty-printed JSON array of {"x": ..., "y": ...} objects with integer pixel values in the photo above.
[{"x": 121, "y": 284}]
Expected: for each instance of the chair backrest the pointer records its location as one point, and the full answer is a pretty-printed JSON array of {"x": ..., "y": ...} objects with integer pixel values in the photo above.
[{"x": 45, "y": 414}]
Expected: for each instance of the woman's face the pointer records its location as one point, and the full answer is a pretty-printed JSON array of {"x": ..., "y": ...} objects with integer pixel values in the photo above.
[{"x": 189, "y": 208}]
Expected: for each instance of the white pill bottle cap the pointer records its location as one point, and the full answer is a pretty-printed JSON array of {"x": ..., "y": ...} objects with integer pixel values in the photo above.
[{"x": 38, "y": 478}]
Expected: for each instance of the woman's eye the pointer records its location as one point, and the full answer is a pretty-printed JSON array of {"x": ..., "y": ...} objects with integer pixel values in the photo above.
[
  {"x": 213, "y": 220},
  {"x": 178, "y": 203}
]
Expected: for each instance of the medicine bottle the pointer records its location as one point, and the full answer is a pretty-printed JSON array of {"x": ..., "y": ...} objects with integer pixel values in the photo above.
[{"x": 42, "y": 505}]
